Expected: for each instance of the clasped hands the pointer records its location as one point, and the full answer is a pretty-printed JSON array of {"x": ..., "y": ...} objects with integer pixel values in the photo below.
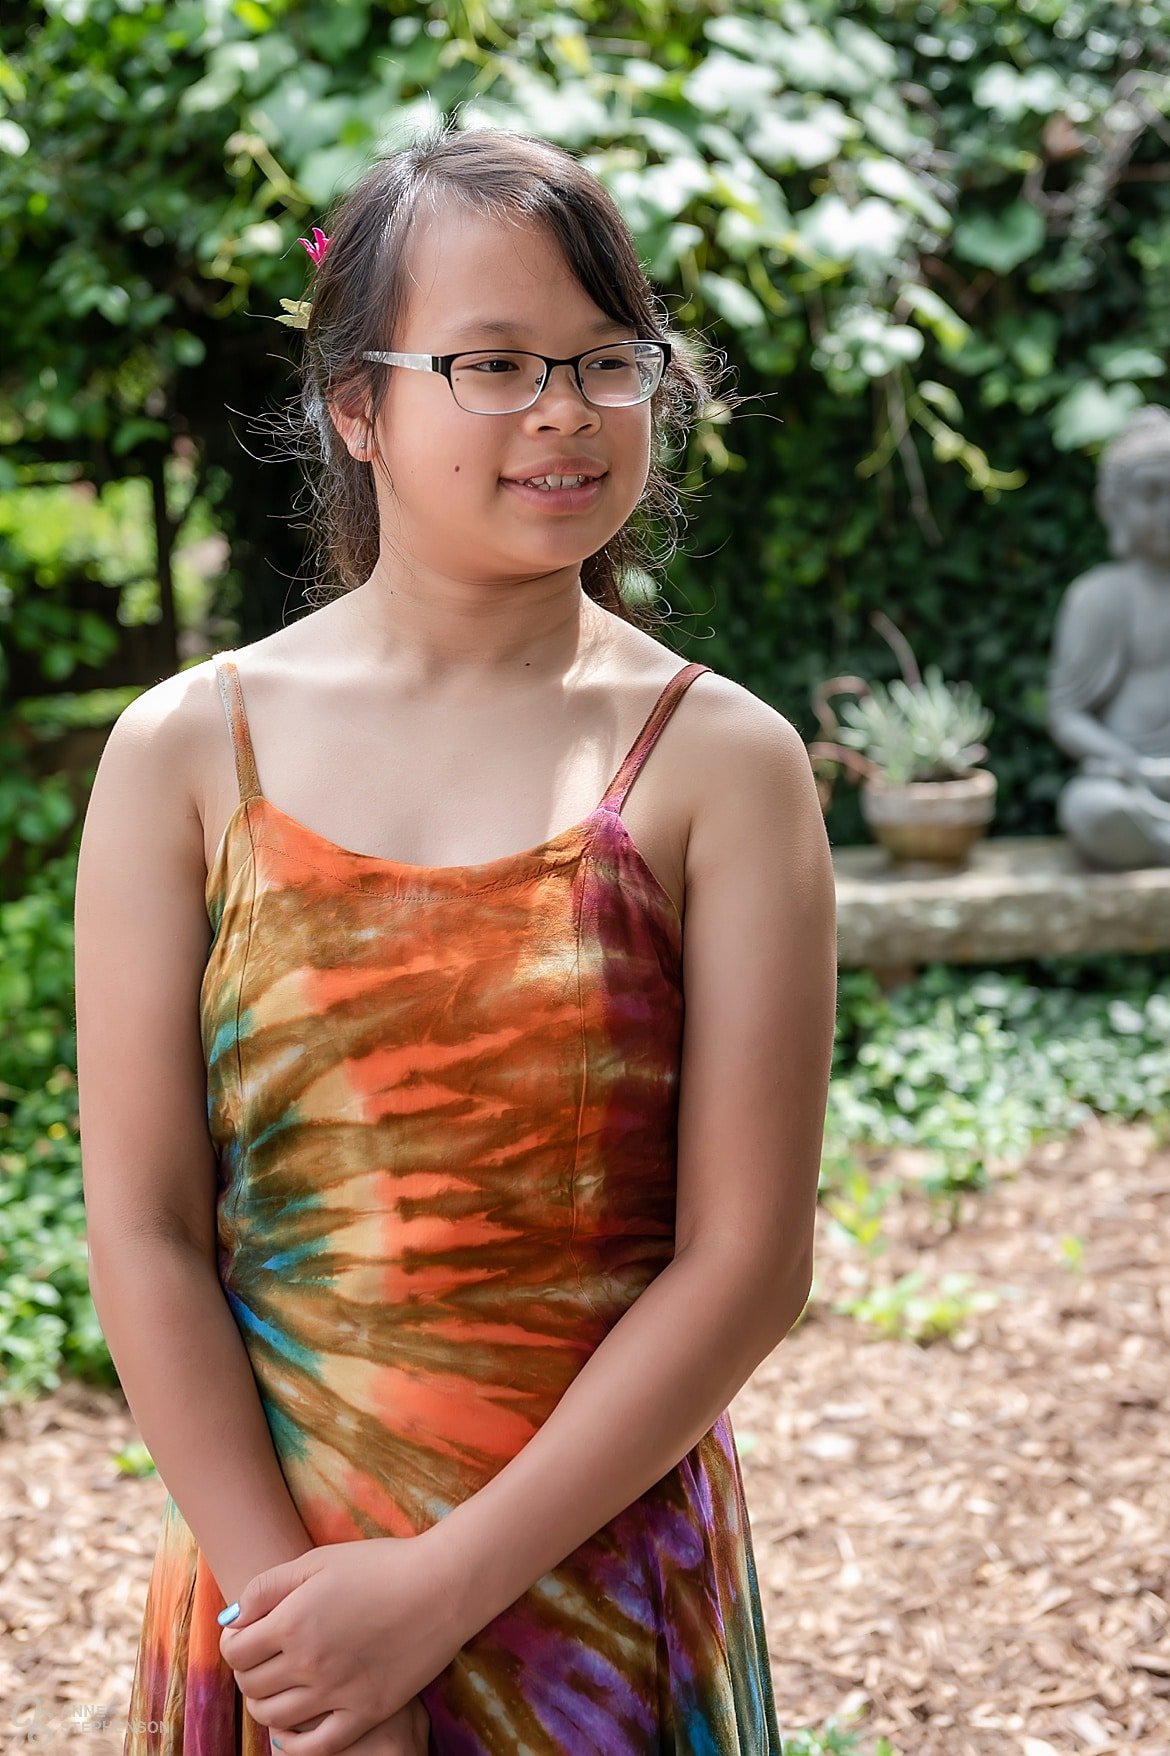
[{"x": 346, "y": 1635}]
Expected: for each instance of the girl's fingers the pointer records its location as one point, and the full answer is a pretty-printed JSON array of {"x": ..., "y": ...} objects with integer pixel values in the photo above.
[
  {"x": 283, "y": 1709},
  {"x": 405, "y": 1733}
]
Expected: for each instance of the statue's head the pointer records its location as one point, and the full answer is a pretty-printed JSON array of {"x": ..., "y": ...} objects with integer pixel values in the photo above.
[{"x": 1133, "y": 486}]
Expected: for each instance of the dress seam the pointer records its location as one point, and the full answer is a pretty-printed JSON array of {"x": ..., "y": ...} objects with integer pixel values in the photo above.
[
  {"x": 244, "y": 971},
  {"x": 588, "y": 871}
]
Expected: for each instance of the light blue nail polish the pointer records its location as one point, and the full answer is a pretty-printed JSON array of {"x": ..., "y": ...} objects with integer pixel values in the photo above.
[
  {"x": 277, "y": 1744},
  {"x": 228, "y": 1615}
]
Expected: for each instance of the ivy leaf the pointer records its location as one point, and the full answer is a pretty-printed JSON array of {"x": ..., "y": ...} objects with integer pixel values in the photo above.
[
  {"x": 1011, "y": 93},
  {"x": 1032, "y": 341},
  {"x": 897, "y": 182},
  {"x": 667, "y": 189},
  {"x": 784, "y": 142},
  {"x": 1092, "y": 413},
  {"x": 131, "y": 432},
  {"x": 666, "y": 248},
  {"x": 14, "y": 139},
  {"x": 734, "y": 303},
  {"x": 324, "y": 172},
  {"x": 341, "y": 28},
  {"x": 1001, "y": 241},
  {"x": 1118, "y": 360},
  {"x": 873, "y": 229},
  {"x": 948, "y": 328},
  {"x": 723, "y": 85}
]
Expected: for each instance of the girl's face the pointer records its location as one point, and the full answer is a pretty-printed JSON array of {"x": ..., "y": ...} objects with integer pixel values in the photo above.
[{"x": 475, "y": 282}]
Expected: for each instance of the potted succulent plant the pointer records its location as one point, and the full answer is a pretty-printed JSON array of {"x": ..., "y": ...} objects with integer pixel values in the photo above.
[{"x": 916, "y": 746}]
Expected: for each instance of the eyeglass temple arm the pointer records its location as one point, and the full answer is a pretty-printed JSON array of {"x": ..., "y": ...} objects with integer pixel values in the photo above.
[{"x": 428, "y": 362}]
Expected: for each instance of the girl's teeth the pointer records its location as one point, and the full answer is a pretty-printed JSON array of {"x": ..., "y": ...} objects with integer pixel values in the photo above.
[{"x": 556, "y": 481}]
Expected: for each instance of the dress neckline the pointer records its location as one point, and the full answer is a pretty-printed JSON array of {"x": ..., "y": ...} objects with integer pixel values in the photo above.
[
  {"x": 383, "y": 862},
  {"x": 567, "y": 845}
]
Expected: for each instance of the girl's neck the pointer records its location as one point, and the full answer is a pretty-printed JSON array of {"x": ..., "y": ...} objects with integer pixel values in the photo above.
[{"x": 455, "y": 630}]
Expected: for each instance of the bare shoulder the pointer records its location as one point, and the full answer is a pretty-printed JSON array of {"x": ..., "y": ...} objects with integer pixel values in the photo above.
[
  {"x": 751, "y": 780},
  {"x": 736, "y": 721},
  {"x": 152, "y": 773}
]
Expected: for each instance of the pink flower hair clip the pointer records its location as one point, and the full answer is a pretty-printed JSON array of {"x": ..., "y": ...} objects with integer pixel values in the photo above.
[
  {"x": 318, "y": 248},
  {"x": 297, "y": 310}
]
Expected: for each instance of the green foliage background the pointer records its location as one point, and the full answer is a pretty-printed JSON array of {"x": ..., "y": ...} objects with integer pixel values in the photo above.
[{"x": 934, "y": 241}]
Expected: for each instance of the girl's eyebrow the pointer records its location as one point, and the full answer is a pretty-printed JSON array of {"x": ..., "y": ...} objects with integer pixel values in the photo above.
[{"x": 505, "y": 330}]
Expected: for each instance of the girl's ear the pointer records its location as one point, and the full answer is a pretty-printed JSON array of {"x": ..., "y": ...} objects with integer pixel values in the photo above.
[{"x": 354, "y": 429}]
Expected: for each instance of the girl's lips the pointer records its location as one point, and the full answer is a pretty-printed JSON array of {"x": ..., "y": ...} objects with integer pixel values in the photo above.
[{"x": 558, "y": 499}]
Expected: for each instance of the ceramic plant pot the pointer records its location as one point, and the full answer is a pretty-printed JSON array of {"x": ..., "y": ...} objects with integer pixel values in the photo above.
[{"x": 935, "y": 822}]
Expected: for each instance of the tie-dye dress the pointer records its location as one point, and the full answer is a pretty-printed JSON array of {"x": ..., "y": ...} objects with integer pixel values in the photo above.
[{"x": 444, "y": 1103}]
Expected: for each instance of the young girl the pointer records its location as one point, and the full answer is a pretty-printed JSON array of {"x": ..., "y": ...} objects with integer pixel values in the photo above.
[{"x": 430, "y": 1248}]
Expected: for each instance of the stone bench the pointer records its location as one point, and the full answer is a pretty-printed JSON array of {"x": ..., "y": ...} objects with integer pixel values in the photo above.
[{"x": 1020, "y": 896}]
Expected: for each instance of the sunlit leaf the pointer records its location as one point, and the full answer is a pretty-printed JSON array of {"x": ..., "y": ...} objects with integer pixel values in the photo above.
[
  {"x": 1001, "y": 241},
  {"x": 1093, "y": 412},
  {"x": 734, "y": 302}
]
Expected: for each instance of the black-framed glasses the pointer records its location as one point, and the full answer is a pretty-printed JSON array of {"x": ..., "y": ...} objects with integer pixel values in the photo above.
[{"x": 503, "y": 381}]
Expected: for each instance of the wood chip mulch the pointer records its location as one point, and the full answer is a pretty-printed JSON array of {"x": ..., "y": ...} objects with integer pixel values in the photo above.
[{"x": 963, "y": 1546}]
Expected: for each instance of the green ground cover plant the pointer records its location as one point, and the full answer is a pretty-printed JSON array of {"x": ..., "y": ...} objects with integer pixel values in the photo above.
[{"x": 975, "y": 1065}]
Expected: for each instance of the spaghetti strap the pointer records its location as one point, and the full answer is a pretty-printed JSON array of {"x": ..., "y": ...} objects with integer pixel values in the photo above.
[
  {"x": 233, "y": 705},
  {"x": 669, "y": 699}
]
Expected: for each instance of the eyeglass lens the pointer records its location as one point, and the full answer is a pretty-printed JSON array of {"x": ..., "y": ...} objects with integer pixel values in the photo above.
[{"x": 500, "y": 382}]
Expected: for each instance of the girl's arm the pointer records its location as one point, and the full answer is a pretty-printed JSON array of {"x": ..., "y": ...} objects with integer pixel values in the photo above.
[
  {"x": 142, "y": 937},
  {"x": 760, "y": 983}
]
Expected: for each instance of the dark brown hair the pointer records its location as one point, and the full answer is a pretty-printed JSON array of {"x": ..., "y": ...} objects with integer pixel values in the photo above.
[{"x": 357, "y": 294}]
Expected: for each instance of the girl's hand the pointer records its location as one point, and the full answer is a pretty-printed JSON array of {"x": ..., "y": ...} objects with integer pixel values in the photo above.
[
  {"x": 366, "y": 1623},
  {"x": 405, "y": 1733}
]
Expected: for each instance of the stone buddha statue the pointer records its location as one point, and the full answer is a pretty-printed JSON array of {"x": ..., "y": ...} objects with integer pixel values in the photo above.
[{"x": 1109, "y": 674}]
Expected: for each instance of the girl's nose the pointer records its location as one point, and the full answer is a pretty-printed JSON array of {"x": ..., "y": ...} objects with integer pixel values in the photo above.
[{"x": 560, "y": 394}]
